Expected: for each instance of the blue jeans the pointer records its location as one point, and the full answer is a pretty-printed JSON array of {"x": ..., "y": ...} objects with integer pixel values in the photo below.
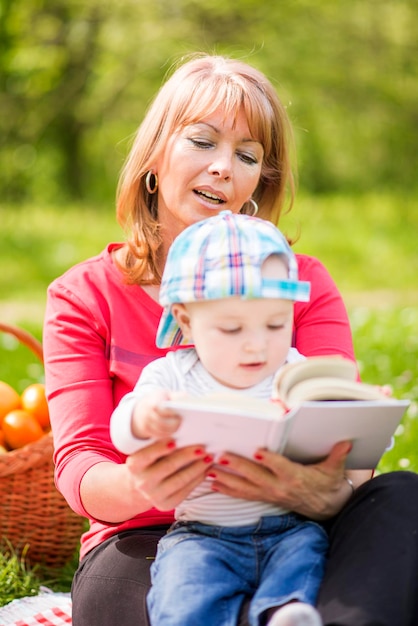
[{"x": 202, "y": 573}]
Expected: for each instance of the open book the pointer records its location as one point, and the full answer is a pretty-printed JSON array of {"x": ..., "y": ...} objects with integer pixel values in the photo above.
[{"x": 315, "y": 403}]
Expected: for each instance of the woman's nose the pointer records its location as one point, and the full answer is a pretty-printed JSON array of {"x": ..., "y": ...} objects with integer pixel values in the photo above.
[{"x": 221, "y": 166}]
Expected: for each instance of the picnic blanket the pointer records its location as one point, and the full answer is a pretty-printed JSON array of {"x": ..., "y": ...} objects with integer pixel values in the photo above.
[{"x": 48, "y": 608}]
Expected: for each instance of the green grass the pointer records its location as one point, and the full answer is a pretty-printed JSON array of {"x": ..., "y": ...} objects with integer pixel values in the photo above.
[
  {"x": 368, "y": 243},
  {"x": 18, "y": 579}
]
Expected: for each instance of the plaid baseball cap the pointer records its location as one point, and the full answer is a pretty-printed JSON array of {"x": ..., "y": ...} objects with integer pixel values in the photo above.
[{"x": 220, "y": 257}]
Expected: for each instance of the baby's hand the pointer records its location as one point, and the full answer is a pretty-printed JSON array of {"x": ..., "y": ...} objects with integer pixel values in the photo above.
[
  {"x": 152, "y": 421},
  {"x": 387, "y": 390}
]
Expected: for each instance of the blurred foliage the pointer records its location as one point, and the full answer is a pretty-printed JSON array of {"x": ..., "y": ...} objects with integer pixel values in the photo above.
[
  {"x": 367, "y": 241},
  {"x": 76, "y": 77},
  {"x": 39, "y": 243}
]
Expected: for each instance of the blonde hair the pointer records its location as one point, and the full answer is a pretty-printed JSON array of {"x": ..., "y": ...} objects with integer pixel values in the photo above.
[{"x": 194, "y": 91}]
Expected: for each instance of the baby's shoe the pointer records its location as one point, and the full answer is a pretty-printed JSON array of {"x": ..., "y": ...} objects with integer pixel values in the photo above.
[{"x": 296, "y": 614}]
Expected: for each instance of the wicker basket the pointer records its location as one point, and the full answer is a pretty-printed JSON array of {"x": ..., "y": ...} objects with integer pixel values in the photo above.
[{"x": 32, "y": 511}]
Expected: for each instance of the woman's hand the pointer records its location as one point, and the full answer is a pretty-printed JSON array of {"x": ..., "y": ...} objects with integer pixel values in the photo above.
[
  {"x": 164, "y": 476},
  {"x": 317, "y": 491},
  {"x": 158, "y": 476}
]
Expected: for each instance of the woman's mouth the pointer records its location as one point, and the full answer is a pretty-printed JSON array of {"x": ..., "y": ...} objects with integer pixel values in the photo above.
[{"x": 210, "y": 197}]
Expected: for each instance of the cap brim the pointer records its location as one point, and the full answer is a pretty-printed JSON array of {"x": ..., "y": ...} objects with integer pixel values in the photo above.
[
  {"x": 169, "y": 333},
  {"x": 295, "y": 290}
]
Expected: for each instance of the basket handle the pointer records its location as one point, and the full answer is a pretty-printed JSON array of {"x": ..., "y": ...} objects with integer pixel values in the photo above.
[{"x": 24, "y": 337}]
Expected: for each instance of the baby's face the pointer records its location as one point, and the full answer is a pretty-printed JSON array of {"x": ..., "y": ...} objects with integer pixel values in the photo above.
[{"x": 241, "y": 342}]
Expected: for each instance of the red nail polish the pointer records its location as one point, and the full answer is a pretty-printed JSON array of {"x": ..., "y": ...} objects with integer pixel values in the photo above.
[
  {"x": 211, "y": 475},
  {"x": 199, "y": 451},
  {"x": 208, "y": 458},
  {"x": 223, "y": 462},
  {"x": 258, "y": 456},
  {"x": 171, "y": 444}
]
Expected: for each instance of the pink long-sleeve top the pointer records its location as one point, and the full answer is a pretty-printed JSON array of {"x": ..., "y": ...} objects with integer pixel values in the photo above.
[{"x": 100, "y": 332}]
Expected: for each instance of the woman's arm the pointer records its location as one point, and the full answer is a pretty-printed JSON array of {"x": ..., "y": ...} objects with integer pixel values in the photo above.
[
  {"x": 321, "y": 326},
  {"x": 89, "y": 364},
  {"x": 156, "y": 476}
]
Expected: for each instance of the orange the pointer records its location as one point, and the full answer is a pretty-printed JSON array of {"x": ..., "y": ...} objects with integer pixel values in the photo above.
[
  {"x": 34, "y": 401},
  {"x": 21, "y": 427},
  {"x": 2, "y": 438},
  {"x": 9, "y": 399}
]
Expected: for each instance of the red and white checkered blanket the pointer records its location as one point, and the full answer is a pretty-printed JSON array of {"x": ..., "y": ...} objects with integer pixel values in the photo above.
[{"x": 45, "y": 609}]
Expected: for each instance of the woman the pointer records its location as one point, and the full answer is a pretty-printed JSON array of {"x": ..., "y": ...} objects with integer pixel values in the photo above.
[{"x": 216, "y": 137}]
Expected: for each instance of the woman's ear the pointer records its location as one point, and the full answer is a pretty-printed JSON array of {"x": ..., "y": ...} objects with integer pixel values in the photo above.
[{"x": 182, "y": 317}]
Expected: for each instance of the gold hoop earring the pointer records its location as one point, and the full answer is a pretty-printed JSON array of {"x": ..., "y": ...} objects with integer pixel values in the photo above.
[
  {"x": 254, "y": 208},
  {"x": 151, "y": 188}
]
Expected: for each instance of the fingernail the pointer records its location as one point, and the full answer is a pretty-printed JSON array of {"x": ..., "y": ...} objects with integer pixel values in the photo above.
[
  {"x": 208, "y": 458},
  {"x": 211, "y": 475},
  {"x": 258, "y": 456},
  {"x": 171, "y": 444},
  {"x": 199, "y": 451},
  {"x": 224, "y": 462}
]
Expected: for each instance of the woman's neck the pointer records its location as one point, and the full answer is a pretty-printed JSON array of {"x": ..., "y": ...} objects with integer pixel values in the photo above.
[{"x": 152, "y": 289}]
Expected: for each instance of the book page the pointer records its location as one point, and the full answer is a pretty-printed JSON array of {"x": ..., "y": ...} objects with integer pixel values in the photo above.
[
  {"x": 331, "y": 389},
  {"x": 312, "y": 367}
]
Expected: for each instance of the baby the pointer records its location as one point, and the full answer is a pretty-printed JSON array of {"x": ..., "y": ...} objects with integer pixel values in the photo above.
[{"x": 227, "y": 290}]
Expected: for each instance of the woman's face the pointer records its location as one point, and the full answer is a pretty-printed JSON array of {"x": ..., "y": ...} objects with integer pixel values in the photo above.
[{"x": 207, "y": 167}]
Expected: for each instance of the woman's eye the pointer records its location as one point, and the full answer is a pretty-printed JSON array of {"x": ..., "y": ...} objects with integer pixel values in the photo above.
[
  {"x": 248, "y": 158},
  {"x": 201, "y": 143}
]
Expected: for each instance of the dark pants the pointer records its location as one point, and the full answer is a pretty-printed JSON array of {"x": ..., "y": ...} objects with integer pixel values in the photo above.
[
  {"x": 372, "y": 572},
  {"x": 371, "y": 577}
]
